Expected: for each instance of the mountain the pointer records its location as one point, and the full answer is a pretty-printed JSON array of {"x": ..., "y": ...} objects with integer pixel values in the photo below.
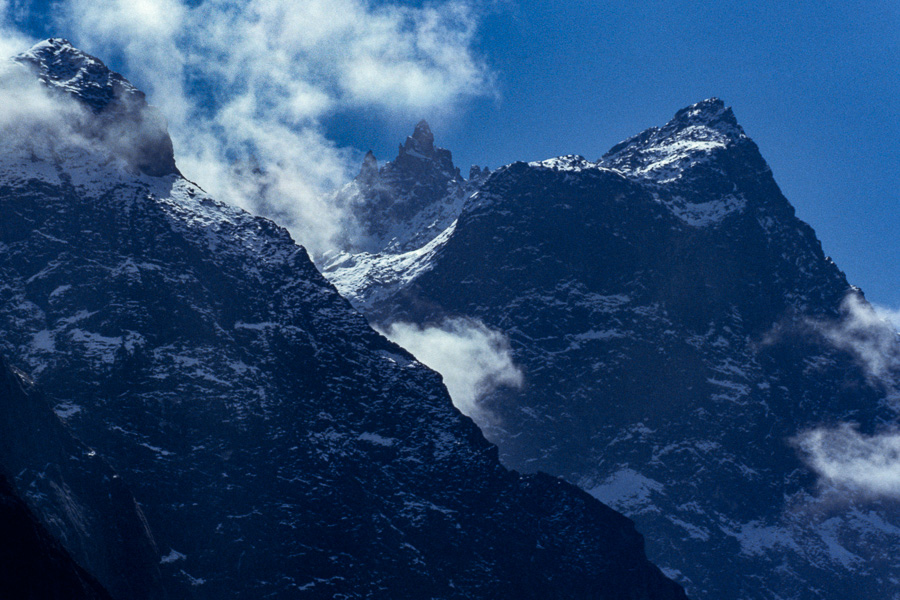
[
  {"x": 675, "y": 325},
  {"x": 278, "y": 446},
  {"x": 77, "y": 495},
  {"x": 397, "y": 213}
]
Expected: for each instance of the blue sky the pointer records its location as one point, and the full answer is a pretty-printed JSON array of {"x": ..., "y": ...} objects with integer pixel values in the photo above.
[{"x": 814, "y": 84}]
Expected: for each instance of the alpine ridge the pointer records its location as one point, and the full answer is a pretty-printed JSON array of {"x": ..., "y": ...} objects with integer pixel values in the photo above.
[
  {"x": 276, "y": 444},
  {"x": 669, "y": 313}
]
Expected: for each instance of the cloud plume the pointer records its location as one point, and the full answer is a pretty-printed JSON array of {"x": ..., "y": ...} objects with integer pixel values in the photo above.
[
  {"x": 472, "y": 359},
  {"x": 246, "y": 85},
  {"x": 12, "y": 41},
  {"x": 869, "y": 334},
  {"x": 844, "y": 457}
]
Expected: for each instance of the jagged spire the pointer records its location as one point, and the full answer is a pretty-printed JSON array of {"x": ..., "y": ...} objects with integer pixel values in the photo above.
[
  {"x": 369, "y": 166},
  {"x": 423, "y": 135},
  {"x": 421, "y": 141}
]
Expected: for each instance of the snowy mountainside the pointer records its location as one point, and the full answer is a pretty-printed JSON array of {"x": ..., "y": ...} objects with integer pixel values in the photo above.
[
  {"x": 279, "y": 447},
  {"x": 684, "y": 163},
  {"x": 663, "y": 305}
]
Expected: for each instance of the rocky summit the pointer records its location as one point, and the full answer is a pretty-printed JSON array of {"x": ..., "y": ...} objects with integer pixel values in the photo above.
[
  {"x": 276, "y": 445},
  {"x": 404, "y": 204},
  {"x": 679, "y": 329}
]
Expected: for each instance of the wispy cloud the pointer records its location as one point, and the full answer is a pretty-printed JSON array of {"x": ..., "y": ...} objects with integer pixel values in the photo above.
[
  {"x": 246, "y": 85},
  {"x": 868, "y": 333},
  {"x": 11, "y": 40},
  {"x": 473, "y": 359},
  {"x": 844, "y": 457},
  {"x": 37, "y": 123}
]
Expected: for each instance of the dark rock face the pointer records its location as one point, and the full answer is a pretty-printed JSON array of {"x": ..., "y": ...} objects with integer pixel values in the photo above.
[
  {"x": 77, "y": 496},
  {"x": 33, "y": 565},
  {"x": 278, "y": 446},
  {"x": 659, "y": 303}
]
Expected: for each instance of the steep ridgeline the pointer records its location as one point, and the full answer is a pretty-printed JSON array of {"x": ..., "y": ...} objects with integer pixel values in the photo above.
[
  {"x": 278, "y": 446},
  {"x": 79, "y": 499},
  {"x": 32, "y": 563},
  {"x": 662, "y": 305}
]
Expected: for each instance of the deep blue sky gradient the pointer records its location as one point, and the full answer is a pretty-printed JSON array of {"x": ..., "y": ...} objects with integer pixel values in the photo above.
[{"x": 815, "y": 84}]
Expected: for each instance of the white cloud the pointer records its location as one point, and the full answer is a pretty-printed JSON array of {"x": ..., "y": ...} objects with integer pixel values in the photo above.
[
  {"x": 841, "y": 455},
  {"x": 869, "y": 334},
  {"x": 890, "y": 315},
  {"x": 245, "y": 85},
  {"x": 11, "y": 40},
  {"x": 35, "y": 122},
  {"x": 844, "y": 457},
  {"x": 472, "y": 359}
]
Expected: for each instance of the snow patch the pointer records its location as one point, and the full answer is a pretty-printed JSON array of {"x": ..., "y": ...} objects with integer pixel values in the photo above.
[
  {"x": 376, "y": 439},
  {"x": 172, "y": 556},
  {"x": 626, "y": 490}
]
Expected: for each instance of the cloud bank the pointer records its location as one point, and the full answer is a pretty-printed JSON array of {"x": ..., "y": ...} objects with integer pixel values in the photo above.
[
  {"x": 472, "y": 359},
  {"x": 246, "y": 85}
]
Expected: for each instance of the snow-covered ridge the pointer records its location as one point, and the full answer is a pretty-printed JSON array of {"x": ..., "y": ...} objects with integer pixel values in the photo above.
[
  {"x": 569, "y": 162},
  {"x": 367, "y": 278},
  {"x": 62, "y": 66},
  {"x": 663, "y": 155}
]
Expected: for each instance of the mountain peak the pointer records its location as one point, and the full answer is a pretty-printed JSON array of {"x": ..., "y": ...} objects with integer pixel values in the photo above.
[
  {"x": 369, "y": 168},
  {"x": 711, "y": 113},
  {"x": 54, "y": 45},
  {"x": 421, "y": 142},
  {"x": 695, "y": 134},
  {"x": 404, "y": 203},
  {"x": 422, "y": 131},
  {"x": 123, "y": 121},
  {"x": 61, "y": 65}
]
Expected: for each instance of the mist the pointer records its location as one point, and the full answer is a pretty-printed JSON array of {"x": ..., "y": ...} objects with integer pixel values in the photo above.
[
  {"x": 245, "y": 86},
  {"x": 870, "y": 336},
  {"x": 844, "y": 457},
  {"x": 473, "y": 359}
]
